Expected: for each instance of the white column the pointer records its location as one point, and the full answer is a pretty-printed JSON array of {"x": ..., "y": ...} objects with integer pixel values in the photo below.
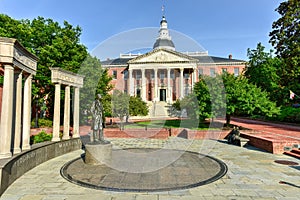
[
  {"x": 144, "y": 88},
  {"x": 18, "y": 126},
  {"x": 27, "y": 113},
  {"x": 66, "y": 132},
  {"x": 6, "y": 112},
  {"x": 169, "y": 92},
  {"x": 56, "y": 117},
  {"x": 194, "y": 77},
  {"x": 181, "y": 84},
  {"x": 76, "y": 113},
  {"x": 155, "y": 85},
  {"x": 131, "y": 83}
]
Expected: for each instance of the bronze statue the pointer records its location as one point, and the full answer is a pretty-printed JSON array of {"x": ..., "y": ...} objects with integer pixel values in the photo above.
[{"x": 98, "y": 121}]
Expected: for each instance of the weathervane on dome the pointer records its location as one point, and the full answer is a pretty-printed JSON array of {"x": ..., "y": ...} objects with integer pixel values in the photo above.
[{"x": 163, "y": 8}]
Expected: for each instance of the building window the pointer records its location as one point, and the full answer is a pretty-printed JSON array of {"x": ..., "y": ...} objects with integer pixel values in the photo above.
[
  {"x": 172, "y": 75},
  {"x": 212, "y": 72},
  {"x": 236, "y": 71},
  {"x": 152, "y": 75},
  {"x": 126, "y": 75},
  {"x": 200, "y": 72},
  {"x": 224, "y": 70},
  {"x": 115, "y": 74},
  {"x": 138, "y": 75},
  {"x": 162, "y": 75},
  {"x": 186, "y": 75}
]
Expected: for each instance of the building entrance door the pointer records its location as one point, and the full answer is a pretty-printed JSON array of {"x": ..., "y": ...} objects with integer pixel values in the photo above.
[{"x": 163, "y": 96}]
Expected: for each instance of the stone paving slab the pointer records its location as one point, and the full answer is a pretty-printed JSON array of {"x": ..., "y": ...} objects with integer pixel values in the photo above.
[{"x": 252, "y": 174}]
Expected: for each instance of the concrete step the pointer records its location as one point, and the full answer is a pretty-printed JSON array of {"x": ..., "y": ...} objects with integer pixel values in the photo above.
[
  {"x": 297, "y": 151},
  {"x": 290, "y": 153}
]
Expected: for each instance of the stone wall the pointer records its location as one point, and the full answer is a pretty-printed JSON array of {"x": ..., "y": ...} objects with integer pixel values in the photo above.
[{"x": 11, "y": 169}]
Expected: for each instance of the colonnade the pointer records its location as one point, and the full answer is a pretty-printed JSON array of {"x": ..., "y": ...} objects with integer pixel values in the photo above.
[
  {"x": 19, "y": 66},
  {"x": 68, "y": 79},
  {"x": 132, "y": 83}
]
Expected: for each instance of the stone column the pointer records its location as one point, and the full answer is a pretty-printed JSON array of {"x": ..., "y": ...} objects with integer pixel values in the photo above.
[
  {"x": 66, "y": 133},
  {"x": 131, "y": 83},
  {"x": 76, "y": 113},
  {"x": 169, "y": 92},
  {"x": 181, "y": 84},
  {"x": 6, "y": 112},
  {"x": 144, "y": 93},
  {"x": 27, "y": 113},
  {"x": 18, "y": 126},
  {"x": 194, "y": 77},
  {"x": 56, "y": 117},
  {"x": 155, "y": 85}
]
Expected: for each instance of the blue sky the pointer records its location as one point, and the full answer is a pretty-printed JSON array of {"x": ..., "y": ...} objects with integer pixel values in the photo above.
[{"x": 221, "y": 27}]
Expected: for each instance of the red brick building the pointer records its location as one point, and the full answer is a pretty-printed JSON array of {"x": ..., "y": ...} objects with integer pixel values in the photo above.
[{"x": 163, "y": 74}]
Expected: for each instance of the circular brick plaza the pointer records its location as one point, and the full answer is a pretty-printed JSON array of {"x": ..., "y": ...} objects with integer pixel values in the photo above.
[{"x": 188, "y": 170}]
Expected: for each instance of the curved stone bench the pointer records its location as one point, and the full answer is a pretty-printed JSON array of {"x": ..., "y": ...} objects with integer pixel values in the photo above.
[{"x": 12, "y": 168}]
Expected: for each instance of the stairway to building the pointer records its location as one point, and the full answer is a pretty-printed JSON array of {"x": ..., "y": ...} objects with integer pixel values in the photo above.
[
  {"x": 158, "y": 109},
  {"x": 294, "y": 153}
]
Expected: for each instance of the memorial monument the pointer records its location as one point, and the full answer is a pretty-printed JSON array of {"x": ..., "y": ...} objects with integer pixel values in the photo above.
[{"x": 98, "y": 151}]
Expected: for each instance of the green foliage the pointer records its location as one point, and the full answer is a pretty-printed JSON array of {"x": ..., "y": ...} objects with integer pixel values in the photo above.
[
  {"x": 264, "y": 71},
  {"x": 206, "y": 101},
  {"x": 137, "y": 107},
  {"x": 56, "y": 46},
  {"x": 96, "y": 81},
  {"x": 285, "y": 37},
  {"x": 289, "y": 114},
  {"x": 244, "y": 98},
  {"x": 43, "y": 122},
  {"x": 41, "y": 137},
  {"x": 120, "y": 104}
]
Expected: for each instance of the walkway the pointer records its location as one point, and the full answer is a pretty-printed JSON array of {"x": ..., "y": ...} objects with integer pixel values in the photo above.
[
  {"x": 289, "y": 131},
  {"x": 252, "y": 174}
]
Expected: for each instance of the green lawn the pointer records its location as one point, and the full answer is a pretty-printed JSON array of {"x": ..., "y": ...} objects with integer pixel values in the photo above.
[{"x": 191, "y": 124}]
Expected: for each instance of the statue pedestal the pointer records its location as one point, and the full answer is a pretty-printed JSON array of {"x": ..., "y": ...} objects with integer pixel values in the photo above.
[{"x": 98, "y": 154}]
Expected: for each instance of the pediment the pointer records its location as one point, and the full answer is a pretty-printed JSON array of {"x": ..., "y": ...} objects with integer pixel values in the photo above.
[{"x": 162, "y": 56}]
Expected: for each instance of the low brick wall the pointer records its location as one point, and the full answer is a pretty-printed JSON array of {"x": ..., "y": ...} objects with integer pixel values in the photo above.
[{"x": 13, "y": 168}]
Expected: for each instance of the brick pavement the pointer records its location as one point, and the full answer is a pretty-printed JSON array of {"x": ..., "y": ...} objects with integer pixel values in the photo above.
[{"x": 252, "y": 174}]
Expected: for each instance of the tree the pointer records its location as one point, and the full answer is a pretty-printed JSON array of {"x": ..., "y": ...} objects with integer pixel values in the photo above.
[
  {"x": 96, "y": 81},
  {"x": 246, "y": 99},
  {"x": 264, "y": 71},
  {"x": 285, "y": 37},
  {"x": 137, "y": 107},
  {"x": 120, "y": 105},
  {"x": 55, "y": 45}
]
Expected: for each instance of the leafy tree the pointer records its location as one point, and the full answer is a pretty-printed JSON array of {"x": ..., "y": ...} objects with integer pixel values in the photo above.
[
  {"x": 285, "y": 37},
  {"x": 264, "y": 71},
  {"x": 137, "y": 107},
  {"x": 246, "y": 99},
  {"x": 96, "y": 81},
  {"x": 120, "y": 105},
  {"x": 206, "y": 101},
  {"x": 55, "y": 45}
]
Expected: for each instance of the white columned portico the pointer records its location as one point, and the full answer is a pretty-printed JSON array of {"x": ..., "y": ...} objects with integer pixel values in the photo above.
[
  {"x": 18, "y": 120},
  {"x": 131, "y": 83},
  {"x": 6, "y": 112},
  {"x": 181, "y": 83},
  {"x": 66, "y": 133},
  {"x": 76, "y": 113},
  {"x": 56, "y": 117},
  {"x": 144, "y": 85},
  {"x": 169, "y": 91},
  {"x": 155, "y": 85},
  {"x": 27, "y": 113}
]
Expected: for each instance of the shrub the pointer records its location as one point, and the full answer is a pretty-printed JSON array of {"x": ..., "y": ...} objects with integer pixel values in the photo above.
[
  {"x": 43, "y": 122},
  {"x": 290, "y": 114},
  {"x": 41, "y": 137}
]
